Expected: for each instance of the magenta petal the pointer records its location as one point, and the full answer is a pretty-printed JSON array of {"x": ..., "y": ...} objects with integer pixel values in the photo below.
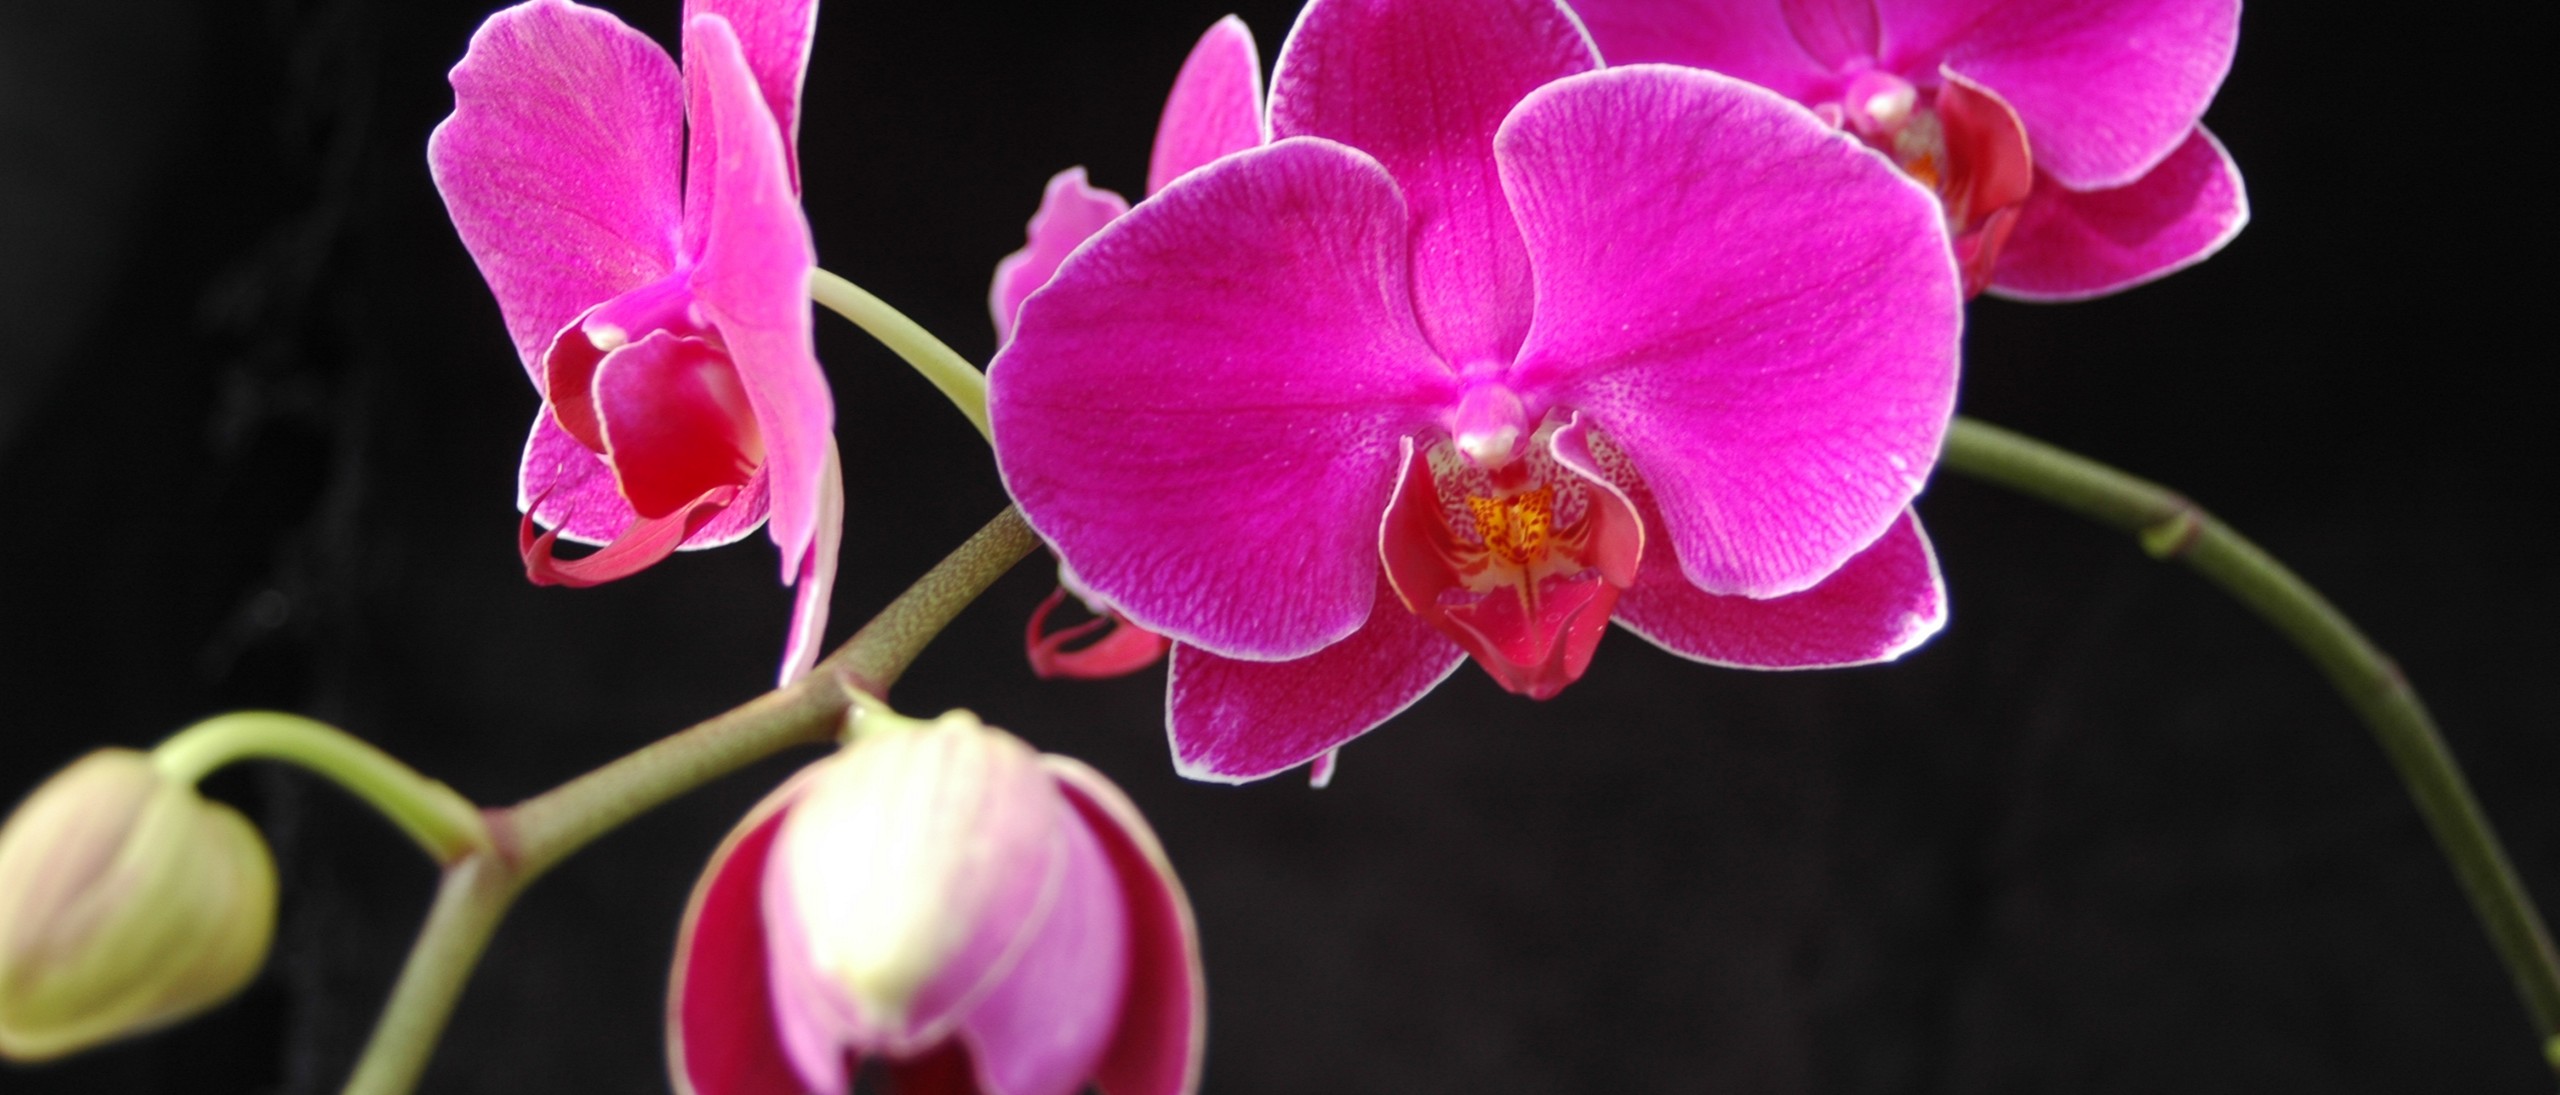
[
  {"x": 1838, "y": 33},
  {"x": 774, "y": 35},
  {"x": 1751, "y": 41},
  {"x": 647, "y": 542},
  {"x": 1215, "y": 107},
  {"x": 1234, "y": 721},
  {"x": 2076, "y": 244},
  {"x": 1041, "y": 1030},
  {"x": 720, "y": 1024},
  {"x": 1201, "y": 411},
  {"x": 1760, "y": 313},
  {"x": 1164, "y": 1016},
  {"x": 675, "y": 422},
  {"x": 1422, "y": 85},
  {"x": 568, "y": 489},
  {"x": 752, "y": 277},
  {"x": 2107, "y": 87},
  {"x": 817, "y": 579},
  {"x": 1879, "y": 605},
  {"x": 1070, "y": 211},
  {"x": 559, "y": 164}
]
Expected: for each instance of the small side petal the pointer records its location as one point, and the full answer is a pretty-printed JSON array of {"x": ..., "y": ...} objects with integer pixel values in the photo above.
[
  {"x": 1760, "y": 313},
  {"x": 1749, "y": 41},
  {"x": 1201, "y": 411},
  {"x": 1422, "y": 85},
  {"x": 720, "y": 1024},
  {"x": 774, "y": 35},
  {"x": 567, "y": 488},
  {"x": 1237, "y": 721},
  {"x": 2076, "y": 244},
  {"x": 1164, "y": 1017},
  {"x": 817, "y": 577},
  {"x": 647, "y": 542},
  {"x": 1071, "y": 210},
  {"x": 1215, "y": 107},
  {"x": 560, "y": 163},
  {"x": 1879, "y": 605},
  {"x": 752, "y": 277},
  {"x": 2108, "y": 88}
]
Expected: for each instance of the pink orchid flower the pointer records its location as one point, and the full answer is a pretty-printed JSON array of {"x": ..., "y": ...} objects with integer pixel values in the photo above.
[
  {"x": 641, "y": 228},
  {"x": 2061, "y": 134},
  {"x": 1488, "y": 347},
  {"x": 1215, "y": 108},
  {"x": 975, "y": 917}
]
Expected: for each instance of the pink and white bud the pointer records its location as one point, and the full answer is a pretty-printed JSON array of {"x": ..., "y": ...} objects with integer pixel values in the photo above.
[
  {"x": 943, "y": 900},
  {"x": 127, "y": 902}
]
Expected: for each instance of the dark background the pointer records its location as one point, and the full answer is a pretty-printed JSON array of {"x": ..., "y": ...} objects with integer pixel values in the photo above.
[{"x": 259, "y": 423}]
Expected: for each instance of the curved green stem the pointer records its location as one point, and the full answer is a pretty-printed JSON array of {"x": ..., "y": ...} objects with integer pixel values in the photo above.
[
  {"x": 2171, "y": 527},
  {"x": 959, "y": 381},
  {"x": 440, "y": 820},
  {"x": 534, "y": 836}
]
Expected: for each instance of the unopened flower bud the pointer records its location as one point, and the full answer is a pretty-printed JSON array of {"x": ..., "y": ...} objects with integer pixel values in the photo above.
[{"x": 127, "y": 902}]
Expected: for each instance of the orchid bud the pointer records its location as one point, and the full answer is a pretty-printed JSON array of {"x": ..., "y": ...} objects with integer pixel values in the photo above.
[
  {"x": 127, "y": 902},
  {"x": 942, "y": 899}
]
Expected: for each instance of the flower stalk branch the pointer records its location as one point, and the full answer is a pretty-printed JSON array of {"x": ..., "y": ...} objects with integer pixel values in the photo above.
[
  {"x": 2172, "y": 528},
  {"x": 535, "y": 835},
  {"x": 950, "y": 373},
  {"x": 442, "y": 822}
]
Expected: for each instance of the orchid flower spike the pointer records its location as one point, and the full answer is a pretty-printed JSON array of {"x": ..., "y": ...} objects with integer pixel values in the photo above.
[
  {"x": 1215, "y": 109},
  {"x": 1488, "y": 347},
  {"x": 641, "y": 228},
  {"x": 2062, "y": 135},
  {"x": 973, "y": 916}
]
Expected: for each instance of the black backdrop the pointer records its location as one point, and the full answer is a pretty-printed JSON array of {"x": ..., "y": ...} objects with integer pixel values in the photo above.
[{"x": 258, "y": 423}]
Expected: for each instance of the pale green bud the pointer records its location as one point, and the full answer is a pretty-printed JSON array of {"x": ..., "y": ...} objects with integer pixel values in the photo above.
[{"x": 127, "y": 902}]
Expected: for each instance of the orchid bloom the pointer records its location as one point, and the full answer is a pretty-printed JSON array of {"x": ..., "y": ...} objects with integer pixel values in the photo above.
[
  {"x": 976, "y": 917},
  {"x": 2062, "y": 135},
  {"x": 1488, "y": 347},
  {"x": 1215, "y": 108},
  {"x": 641, "y": 228}
]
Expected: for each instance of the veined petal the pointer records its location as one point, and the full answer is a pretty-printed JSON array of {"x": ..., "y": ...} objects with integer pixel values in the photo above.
[
  {"x": 559, "y": 164},
  {"x": 1164, "y": 1016},
  {"x": 751, "y": 276},
  {"x": 1236, "y": 721},
  {"x": 2076, "y": 244},
  {"x": 1422, "y": 85},
  {"x": 1071, "y": 210},
  {"x": 1879, "y": 605},
  {"x": 2108, "y": 88},
  {"x": 1838, "y": 33},
  {"x": 1750, "y": 40},
  {"x": 1201, "y": 411},
  {"x": 721, "y": 1037},
  {"x": 774, "y": 35},
  {"x": 817, "y": 580},
  {"x": 1041, "y": 1030},
  {"x": 1215, "y": 107},
  {"x": 567, "y": 488},
  {"x": 1762, "y": 314}
]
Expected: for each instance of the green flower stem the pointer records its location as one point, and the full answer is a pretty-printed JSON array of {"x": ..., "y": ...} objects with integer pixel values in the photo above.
[
  {"x": 443, "y": 822},
  {"x": 959, "y": 381},
  {"x": 2171, "y": 527},
  {"x": 534, "y": 836}
]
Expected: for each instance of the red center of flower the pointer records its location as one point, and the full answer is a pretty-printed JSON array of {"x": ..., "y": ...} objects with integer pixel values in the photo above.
[
  {"x": 645, "y": 382},
  {"x": 1519, "y": 562},
  {"x": 1962, "y": 142}
]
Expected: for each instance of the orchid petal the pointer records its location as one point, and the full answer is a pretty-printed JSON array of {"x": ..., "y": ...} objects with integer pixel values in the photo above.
[
  {"x": 1123, "y": 649},
  {"x": 1752, "y": 41},
  {"x": 2076, "y": 244},
  {"x": 1320, "y": 770},
  {"x": 675, "y": 422},
  {"x": 1236, "y": 721},
  {"x": 1201, "y": 411},
  {"x": 2108, "y": 88},
  {"x": 648, "y": 541},
  {"x": 817, "y": 580},
  {"x": 1422, "y": 85},
  {"x": 559, "y": 163},
  {"x": 1164, "y": 1016},
  {"x": 1041, "y": 1029},
  {"x": 752, "y": 277},
  {"x": 1215, "y": 107},
  {"x": 1070, "y": 211},
  {"x": 1761, "y": 313},
  {"x": 1839, "y": 33},
  {"x": 1879, "y": 605},
  {"x": 721, "y": 1038},
  {"x": 568, "y": 488},
  {"x": 774, "y": 35}
]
